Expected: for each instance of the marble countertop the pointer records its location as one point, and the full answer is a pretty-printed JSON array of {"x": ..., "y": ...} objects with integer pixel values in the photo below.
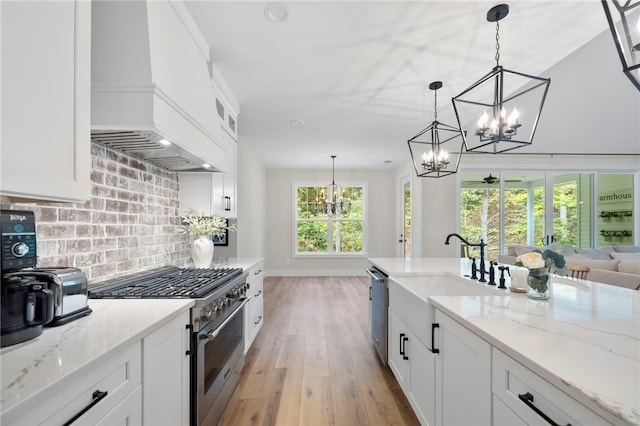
[
  {"x": 585, "y": 339},
  {"x": 33, "y": 366}
]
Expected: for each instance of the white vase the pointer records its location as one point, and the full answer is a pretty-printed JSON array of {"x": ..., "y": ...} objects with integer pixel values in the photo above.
[{"x": 202, "y": 252}]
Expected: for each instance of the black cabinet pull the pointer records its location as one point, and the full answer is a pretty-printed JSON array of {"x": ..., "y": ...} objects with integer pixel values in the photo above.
[
  {"x": 98, "y": 396},
  {"x": 433, "y": 332},
  {"x": 404, "y": 352},
  {"x": 259, "y": 319},
  {"x": 527, "y": 398},
  {"x": 402, "y": 344}
]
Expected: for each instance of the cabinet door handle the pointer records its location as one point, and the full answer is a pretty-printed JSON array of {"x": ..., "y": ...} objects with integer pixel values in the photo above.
[
  {"x": 259, "y": 319},
  {"x": 402, "y": 344},
  {"x": 404, "y": 349},
  {"x": 258, "y": 293},
  {"x": 433, "y": 349},
  {"x": 98, "y": 396},
  {"x": 527, "y": 398}
]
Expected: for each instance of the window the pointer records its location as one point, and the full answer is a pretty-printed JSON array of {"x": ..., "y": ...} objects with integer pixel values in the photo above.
[
  {"x": 316, "y": 233},
  {"x": 536, "y": 209}
]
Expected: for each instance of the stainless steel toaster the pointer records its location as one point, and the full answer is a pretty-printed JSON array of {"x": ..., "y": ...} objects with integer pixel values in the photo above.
[{"x": 69, "y": 286}]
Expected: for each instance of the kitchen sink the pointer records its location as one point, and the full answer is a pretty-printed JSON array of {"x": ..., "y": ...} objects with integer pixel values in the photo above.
[{"x": 412, "y": 293}]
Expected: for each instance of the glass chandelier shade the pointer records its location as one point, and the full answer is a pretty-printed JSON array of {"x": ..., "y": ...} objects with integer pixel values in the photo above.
[
  {"x": 333, "y": 201},
  {"x": 430, "y": 157},
  {"x": 500, "y": 111},
  {"x": 623, "y": 17}
]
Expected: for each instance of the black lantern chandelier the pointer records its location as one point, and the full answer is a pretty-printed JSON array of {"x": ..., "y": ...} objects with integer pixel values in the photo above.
[
  {"x": 429, "y": 157},
  {"x": 500, "y": 112},
  {"x": 333, "y": 202},
  {"x": 626, "y": 35}
]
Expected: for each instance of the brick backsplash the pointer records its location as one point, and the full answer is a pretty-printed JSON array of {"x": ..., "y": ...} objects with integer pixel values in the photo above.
[{"x": 129, "y": 225}]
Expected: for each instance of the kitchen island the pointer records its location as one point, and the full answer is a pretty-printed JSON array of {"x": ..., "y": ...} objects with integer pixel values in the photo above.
[{"x": 584, "y": 341}]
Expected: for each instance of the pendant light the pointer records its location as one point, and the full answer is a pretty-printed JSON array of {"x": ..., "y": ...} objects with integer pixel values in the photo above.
[
  {"x": 626, "y": 35},
  {"x": 500, "y": 112},
  {"x": 333, "y": 202},
  {"x": 430, "y": 158}
]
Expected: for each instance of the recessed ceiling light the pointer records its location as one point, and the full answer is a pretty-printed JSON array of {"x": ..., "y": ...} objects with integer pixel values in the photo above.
[
  {"x": 206, "y": 166},
  {"x": 276, "y": 12},
  {"x": 296, "y": 122},
  {"x": 164, "y": 142}
]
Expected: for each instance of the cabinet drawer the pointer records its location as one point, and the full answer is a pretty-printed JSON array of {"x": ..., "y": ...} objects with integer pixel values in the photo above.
[
  {"x": 532, "y": 398},
  {"x": 503, "y": 416},
  {"x": 118, "y": 376}
]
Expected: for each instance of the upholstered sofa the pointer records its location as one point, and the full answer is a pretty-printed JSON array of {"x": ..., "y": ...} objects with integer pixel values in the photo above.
[{"x": 615, "y": 265}]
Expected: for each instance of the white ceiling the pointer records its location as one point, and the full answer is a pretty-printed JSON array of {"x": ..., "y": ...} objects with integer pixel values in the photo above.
[{"x": 357, "y": 73}]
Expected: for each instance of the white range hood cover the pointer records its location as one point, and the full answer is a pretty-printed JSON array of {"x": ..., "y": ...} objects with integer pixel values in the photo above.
[{"x": 150, "y": 81}]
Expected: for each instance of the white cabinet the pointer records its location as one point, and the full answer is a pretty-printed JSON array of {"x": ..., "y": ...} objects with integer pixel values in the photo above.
[
  {"x": 212, "y": 193},
  {"x": 254, "y": 310},
  {"x": 166, "y": 374},
  {"x": 414, "y": 367},
  {"x": 522, "y": 394},
  {"x": 101, "y": 394},
  {"x": 463, "y": 375},
  {"x": 46, "y": 83}
]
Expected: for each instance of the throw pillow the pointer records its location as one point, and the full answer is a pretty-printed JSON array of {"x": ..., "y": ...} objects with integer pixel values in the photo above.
[
  {"x": 629, "y": 266},
  {"x": 598, "y": 254},
  {"x": 625, "y": 256},
  {"x": 608, "y": 265},
  {"x": 520, "y": 250},
  {"x": 627, "y": 249}
]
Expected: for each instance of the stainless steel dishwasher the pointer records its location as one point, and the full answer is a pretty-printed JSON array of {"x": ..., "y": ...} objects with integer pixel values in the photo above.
[{"x": 379, "y": 297}]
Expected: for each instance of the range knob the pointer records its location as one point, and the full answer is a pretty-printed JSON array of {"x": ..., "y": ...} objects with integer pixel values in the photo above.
[
  {"x": 233, "y": 293},
  {"x": 206, "y": 314},
  {"x": 19, "y": 249},
  {"x": 217, "y": 309}
]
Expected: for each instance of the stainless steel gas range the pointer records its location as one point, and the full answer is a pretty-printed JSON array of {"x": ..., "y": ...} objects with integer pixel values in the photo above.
[{"x": 217, "y": 323}]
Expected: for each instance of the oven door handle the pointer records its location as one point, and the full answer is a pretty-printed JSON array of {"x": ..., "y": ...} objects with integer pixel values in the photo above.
[{"x": 214, "y": 333}]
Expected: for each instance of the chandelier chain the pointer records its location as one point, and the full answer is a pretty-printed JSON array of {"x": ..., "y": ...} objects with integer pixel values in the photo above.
[
  {"x": 435, "y": 105},
  {"x": 497, "y": 43}
]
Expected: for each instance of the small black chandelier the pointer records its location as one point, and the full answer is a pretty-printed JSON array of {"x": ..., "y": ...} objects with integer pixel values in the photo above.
[
  {"x": 429, "y": 157},
  {"x": 495, "y": 125},
  {"x": 333, "y": 202},
  {"x": 626, "y": 35}
]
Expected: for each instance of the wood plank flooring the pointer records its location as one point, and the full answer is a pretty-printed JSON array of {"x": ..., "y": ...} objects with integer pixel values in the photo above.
[{"x": 312, "y": 362}]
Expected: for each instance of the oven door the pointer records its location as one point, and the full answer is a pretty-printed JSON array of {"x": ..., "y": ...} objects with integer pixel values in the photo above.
[{"x": 218, "y": 362}]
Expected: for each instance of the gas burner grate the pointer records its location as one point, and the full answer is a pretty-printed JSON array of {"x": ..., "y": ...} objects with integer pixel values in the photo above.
[{"x": 168, "y": 283}]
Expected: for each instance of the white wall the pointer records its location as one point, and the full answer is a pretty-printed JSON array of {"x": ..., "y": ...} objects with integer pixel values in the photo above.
[
  {"x": 279, "y": 259},
  {"x": 251, "y": 223}
]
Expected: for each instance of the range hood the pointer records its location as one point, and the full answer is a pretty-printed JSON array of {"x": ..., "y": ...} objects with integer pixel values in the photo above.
[
  {"x": 150, "y": 82},
  {"x": 151, "y": 147}
]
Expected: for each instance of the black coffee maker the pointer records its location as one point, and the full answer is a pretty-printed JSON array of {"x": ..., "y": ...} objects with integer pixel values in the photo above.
[{"x": 27, "y": 302}]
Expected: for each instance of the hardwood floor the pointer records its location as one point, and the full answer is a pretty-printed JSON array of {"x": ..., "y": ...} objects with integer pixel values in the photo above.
[{"x": 312, "y": 362}]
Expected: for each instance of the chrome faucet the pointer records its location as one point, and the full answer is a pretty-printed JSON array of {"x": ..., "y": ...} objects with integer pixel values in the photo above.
[{"x": 481, "y": 244}]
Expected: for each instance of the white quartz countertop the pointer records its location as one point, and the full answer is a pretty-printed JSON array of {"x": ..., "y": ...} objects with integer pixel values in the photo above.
[
  {"x": 235, "y": 262},
  {"x": 398, "y": 266},
  {"x": 32, "y": 366},
  {"x": 585, "y": 339}
]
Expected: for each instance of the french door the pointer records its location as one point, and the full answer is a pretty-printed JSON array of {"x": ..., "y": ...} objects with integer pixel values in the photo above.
[{"x": 405, "y": 217}]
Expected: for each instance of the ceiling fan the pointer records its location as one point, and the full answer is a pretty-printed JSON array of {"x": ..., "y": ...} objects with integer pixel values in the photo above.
[{"x": 490, "y": 180}]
